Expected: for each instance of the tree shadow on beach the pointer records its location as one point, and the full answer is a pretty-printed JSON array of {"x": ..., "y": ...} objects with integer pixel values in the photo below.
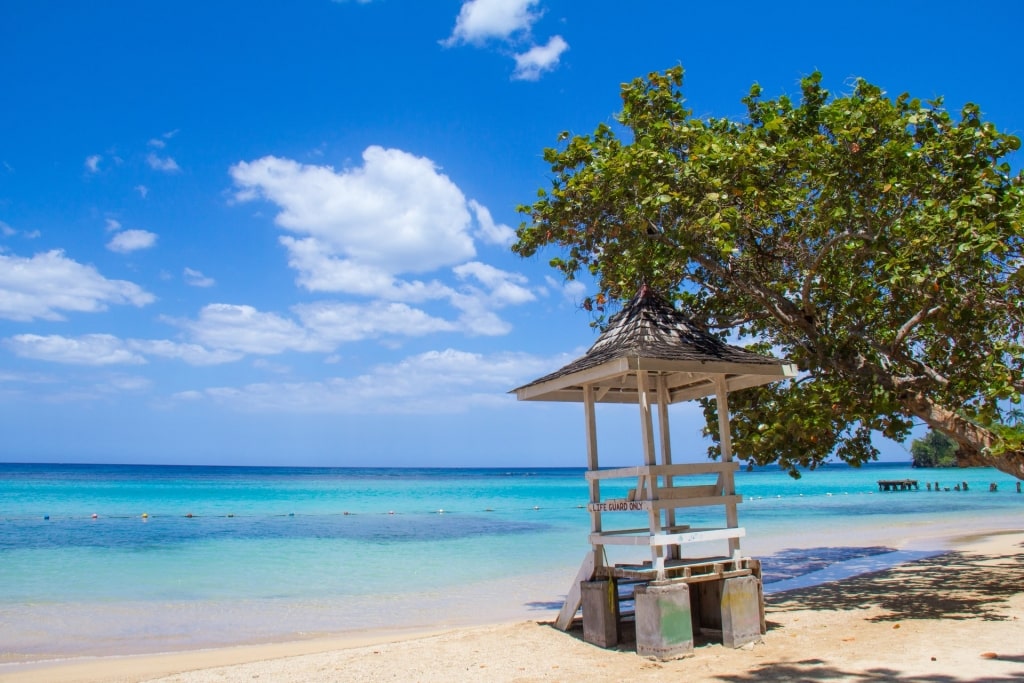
[
  {"x": 816, "y": 670},
  {"x": 954, "y": 585}
]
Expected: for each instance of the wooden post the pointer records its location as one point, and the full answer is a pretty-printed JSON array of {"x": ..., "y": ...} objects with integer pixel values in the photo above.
[
  {"x": 725, "y": 443},
  {"x": 666, "y": 453},
  {"x": 647, "y": 437},
  {"x": 592, "y": 465}
]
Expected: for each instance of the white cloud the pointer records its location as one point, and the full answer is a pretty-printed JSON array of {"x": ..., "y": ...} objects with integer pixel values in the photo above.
[
  {"x": 572, "y": 290},
  {"x": 539, "y": 59},
  {"x": 106, "y": 349},
  {"x": 142, "y": 190},
  {"x": 340, "y": 322},
  {"x": 482, "y": 20},
  {"x": 92, "y": 163},
  {"x": 113, "y": 225},
  {"x": 193, "y": 354},
  {"x": 89, "y": 349},
  {"x": 195, "y": 278},
  {"x": 131, "y": 240},
  {"x": 48, "y": 283},
  {"x": 165, "y": 164},
  {"x": 488, "y": 230},
  {"x": 395, "y": 213},
  {"x": 449, "y": 381},
  {"x": 360, "y": 230},
  {"x": 505, "y": 287},
  {"x": 6, "y": 230},
  {"x": 157, "y": 142},
  {"x": 246, "y": 330},
  {"x": 127, "y": 383}
]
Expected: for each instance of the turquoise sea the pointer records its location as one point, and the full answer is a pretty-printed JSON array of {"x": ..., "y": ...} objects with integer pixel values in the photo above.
[{"x": 115, "y": 559}]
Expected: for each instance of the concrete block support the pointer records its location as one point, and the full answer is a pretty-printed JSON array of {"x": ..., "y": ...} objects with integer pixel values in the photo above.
[
  {"x": 600, "y": 613},
  {"x": 664, "y": 626},
  {"x": 741, "y": 611}
]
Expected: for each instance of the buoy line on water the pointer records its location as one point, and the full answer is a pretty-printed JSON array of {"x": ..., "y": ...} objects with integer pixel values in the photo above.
[{"x": 145, "y": 516}]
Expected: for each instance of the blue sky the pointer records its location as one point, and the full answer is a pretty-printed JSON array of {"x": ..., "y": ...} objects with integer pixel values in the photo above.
[{"x": 277, "y": 233}]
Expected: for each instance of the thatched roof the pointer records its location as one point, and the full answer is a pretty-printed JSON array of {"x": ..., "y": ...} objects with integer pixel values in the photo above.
[{"x": 650, "y": 334}]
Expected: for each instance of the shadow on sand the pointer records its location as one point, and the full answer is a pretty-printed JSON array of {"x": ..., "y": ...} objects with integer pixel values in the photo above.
[{"x": 953, "y": 585}]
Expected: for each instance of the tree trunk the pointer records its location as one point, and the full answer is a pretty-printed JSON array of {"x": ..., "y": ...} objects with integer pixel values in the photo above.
[{"x": 975, "y": 442}]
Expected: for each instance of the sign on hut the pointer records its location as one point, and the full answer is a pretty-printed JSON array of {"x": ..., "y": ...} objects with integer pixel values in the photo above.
[{"x": 651, "y": 355}]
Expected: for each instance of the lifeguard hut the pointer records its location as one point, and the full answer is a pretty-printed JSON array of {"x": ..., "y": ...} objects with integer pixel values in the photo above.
[{"x": 653, "y": 356}]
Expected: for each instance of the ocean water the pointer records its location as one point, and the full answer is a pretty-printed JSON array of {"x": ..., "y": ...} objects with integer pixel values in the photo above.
[{"x": 105, "y": 559}]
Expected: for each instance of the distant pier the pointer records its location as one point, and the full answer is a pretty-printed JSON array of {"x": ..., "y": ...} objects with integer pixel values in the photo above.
[{"x": 897, "y": 484}]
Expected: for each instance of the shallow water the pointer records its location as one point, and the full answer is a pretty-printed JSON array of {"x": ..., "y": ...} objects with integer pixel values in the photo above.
[{"x": 228, "y": 555}]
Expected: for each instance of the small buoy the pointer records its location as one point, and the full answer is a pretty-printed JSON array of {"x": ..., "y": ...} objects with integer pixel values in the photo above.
[
  {"x": 391, "y": 512},
  {"x": 189, "y": 515},
  {"x": 536, "y": 507},
  {"x": 94, "y": 515},
  {"x": 441, "y": 511},
  {"x": 145, "y": 515}
]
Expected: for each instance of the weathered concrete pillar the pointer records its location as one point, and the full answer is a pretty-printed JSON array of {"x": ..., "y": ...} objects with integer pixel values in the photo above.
[
  {"x": 741, "y": 611},
  {"x": 600, "y": 612},
  {"x": 664, "y": 626}
]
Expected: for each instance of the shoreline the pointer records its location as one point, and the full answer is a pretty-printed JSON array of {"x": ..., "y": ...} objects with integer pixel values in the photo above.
[{"x": 939, "y": 586}]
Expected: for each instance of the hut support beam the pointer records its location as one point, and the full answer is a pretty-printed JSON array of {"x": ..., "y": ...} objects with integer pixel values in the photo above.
[
  {"x": 592, "y": 465},
  {"x": 644, "y": 393},
  {"x": 666, "y": 453},
  {"x": 725, "y": 443}
]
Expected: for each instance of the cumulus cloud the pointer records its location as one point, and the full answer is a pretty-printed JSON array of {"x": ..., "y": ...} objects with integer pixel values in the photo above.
[
  {"x": 539, "y": 59},
  {"x": 49, "y": 283},
  {"x": 89, "y": 349},
  {"x": 142, "y": 190},
  {"x": 364, "y": 230},
  {"x": 483, "y": 20},
  {"x": 337, "y": 322},
  {"x": 448, "y": 381},
  {"x": 246, "y": 330},
  {"x": 509, "y": 23},
  {"x": 195, "y": 278},
  {"x": 92, "y": 163},
  {"x": 106, "y": 349},
  {"x": 6, "y": 230},
  {"x": 131, "y": 240},
  {"x": 396, "y": 212},
  {"x": 113, "y": 225},
  {"x": 488, "y": 230},
  {"x": 193, "y": 354},
  {"x": 165, "y": 164}
]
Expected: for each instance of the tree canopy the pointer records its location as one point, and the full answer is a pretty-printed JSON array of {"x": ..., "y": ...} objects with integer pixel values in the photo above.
[
  {"x": 875, "y": 242},
  {"x": 933, "y": 450}
]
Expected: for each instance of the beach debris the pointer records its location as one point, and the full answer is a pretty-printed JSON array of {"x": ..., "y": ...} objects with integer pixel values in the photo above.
[
  {"x": 989, "y": 655},
  {"x": 895, "y": 626}
]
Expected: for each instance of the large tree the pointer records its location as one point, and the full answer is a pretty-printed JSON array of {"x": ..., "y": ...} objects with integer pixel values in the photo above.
[{"x": 875, "y": 242}]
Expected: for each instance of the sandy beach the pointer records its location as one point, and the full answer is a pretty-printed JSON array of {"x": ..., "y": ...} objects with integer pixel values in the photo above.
[{"x": 958, "y": 616}]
